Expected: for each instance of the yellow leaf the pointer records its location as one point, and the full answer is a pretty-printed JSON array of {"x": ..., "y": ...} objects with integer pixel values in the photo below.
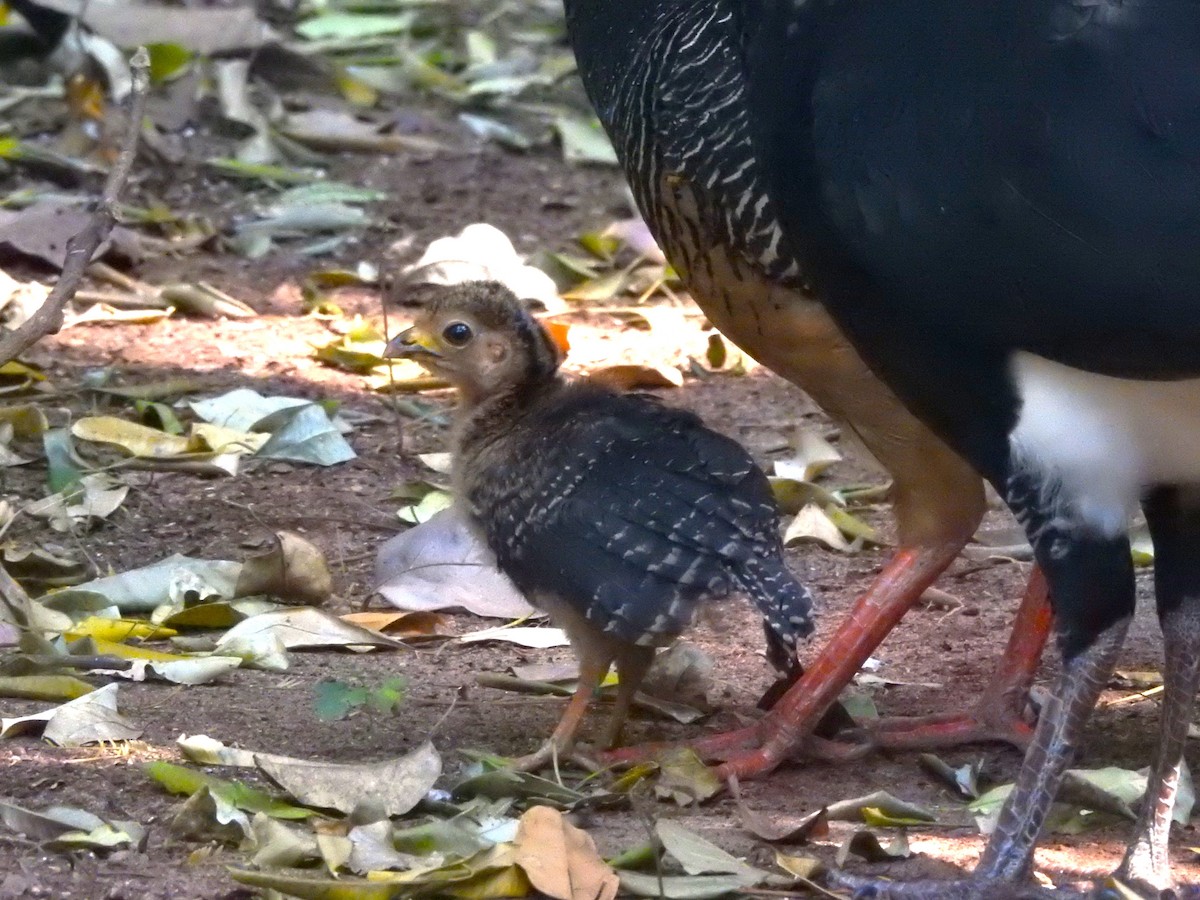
[
  {"x": 359, "y": 93},
  {"x": 207, "y": 437},
  {"x": 311, "y": 888},
  {"x": 118, "y": 630},
  {"x": 873, "y": 815},
  {"x": 137, "y": 440},
  {"x": 93, "y": 646},
  {"x": 806, "y": 867},
  {"x": 26, "y": 421},
  {"x": 44, "y": 687}
]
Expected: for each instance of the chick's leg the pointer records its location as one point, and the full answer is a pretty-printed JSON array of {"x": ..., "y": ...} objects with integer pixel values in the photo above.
[
  {"x": 633, "y": 662},
  {"x": 787, "y": 728},
  {"x": 593, "y": 666}
]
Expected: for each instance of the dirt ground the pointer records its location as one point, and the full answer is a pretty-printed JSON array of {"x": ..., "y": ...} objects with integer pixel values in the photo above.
[{"x": 346, "y": 510}]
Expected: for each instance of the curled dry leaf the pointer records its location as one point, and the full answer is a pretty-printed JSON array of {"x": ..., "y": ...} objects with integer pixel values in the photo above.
[
  {"x": 813, "y": 456},
  {"x": 277, "y": 845},
  {"x": 866, "y": 845},
  {"x": 630, "y": 377},
  {"x": 371, "y": 849},
  {"x": 294, "y": 570},
  {"x": 207, "y": 816},
  {"x": 812, "y": 524},
  {"x": 86, "y": 720},
  {"x": 442, "y": 564},
  {"x": 395, "y": 786},
  {"x": 684, "y": 778},
  {"x": 482, "y": 252},
  {"x": 561, "y": 860},
  {"x": 305, "y": 628},
  {"x": 69, "y": 828},
  {"x": 403, "y": 626},
  {"x": 814, "y": 825},
  {"x": 883, "y": 804}
]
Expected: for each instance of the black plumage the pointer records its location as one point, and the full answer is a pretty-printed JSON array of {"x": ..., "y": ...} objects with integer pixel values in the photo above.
[
  {"x": 668, "y": 80},
  {"x": 998, "y": 202},
  {"x": 616, "y": 514}
]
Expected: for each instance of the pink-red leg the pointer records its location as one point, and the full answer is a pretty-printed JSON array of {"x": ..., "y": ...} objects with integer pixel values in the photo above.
[
  {"x": 999, "y": 713},
  {"x": 758, "y": 749}
]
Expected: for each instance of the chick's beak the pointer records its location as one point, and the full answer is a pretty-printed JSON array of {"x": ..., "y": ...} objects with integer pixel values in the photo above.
[{"x": 411, "y": 343}]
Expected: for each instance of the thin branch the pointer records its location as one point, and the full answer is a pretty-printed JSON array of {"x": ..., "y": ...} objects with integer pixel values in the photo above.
[{"x": 49, "y": 317}]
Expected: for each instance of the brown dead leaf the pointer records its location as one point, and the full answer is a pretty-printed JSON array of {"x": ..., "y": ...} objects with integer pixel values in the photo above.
[
  {"x": 293, "y": 570},
  {"x": 628, "y": 377},
  {"x": 404, "y": 626},
  {"x": 814, "y": 825},
  {"x": 560, "y": 859}
]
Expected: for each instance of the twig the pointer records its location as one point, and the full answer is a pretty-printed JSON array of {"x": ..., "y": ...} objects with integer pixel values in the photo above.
[
  {"x": 13, "y": 596},
  {"x": 80, "y": 248},
  {"x": 113, "y": 663}
]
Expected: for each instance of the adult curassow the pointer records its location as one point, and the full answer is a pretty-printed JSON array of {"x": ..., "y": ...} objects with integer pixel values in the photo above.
[
  {"x": 667, "y": 79},
  {"x": 615, "y": 514},
  {"x": 999, "y": 204}
]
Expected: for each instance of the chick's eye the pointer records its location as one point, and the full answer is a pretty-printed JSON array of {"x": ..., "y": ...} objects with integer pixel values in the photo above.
[{"x": 457, "y": 333}]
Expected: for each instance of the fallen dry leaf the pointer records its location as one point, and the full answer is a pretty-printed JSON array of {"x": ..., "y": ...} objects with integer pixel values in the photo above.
[
  {"x": 403, "y": 626},
  {"x": 393, "y": 786},
  {"x": 294, "y": 570},
  {"x": 560, "y": 859}
]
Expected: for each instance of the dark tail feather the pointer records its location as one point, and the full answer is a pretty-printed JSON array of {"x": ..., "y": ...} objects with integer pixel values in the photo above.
[
  {"x": 785, "y": 604},
  {"x": 786, "y": 607}
]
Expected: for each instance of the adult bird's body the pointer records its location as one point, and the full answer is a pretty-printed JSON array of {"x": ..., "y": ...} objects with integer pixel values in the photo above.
[
  {"x": 668, "y": 80},
  {"x": 999, "y": 203}
]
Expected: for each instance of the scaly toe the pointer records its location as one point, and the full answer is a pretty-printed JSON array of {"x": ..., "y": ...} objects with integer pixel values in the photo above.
[{"x": 963, "y": 889}]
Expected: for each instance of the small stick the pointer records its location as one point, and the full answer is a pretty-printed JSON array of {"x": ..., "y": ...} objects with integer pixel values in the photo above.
[{"x": 80, "y": 248}]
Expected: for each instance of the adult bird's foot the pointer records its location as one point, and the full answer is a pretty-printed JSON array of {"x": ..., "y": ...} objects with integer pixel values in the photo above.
[
  {"x": 746, "y": 752},
  {"x": 992, "y": 719},
  {"x": 961, "y": 889}
]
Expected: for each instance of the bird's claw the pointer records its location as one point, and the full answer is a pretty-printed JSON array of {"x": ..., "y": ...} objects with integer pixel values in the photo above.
[{"x": 550, "y": 756}]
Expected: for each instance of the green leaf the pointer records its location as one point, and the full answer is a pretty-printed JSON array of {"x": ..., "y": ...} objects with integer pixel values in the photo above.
[
  {"x": 182, "y": 780},
  {"x": 60, "y": 459},
  {"x": 336, "y": 700},
  {"x": 263, "y": 172},
  {"x": 167, "y": 61},
  {"x": 310, "y": 887},
  {"x": 354, "y": 26},
  {"x": 158, "y": 415},
  {"x": 584, "y": 142}
]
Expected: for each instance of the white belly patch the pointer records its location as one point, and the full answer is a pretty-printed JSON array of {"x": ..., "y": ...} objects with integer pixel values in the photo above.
[{"x": 1102, "y": 441}]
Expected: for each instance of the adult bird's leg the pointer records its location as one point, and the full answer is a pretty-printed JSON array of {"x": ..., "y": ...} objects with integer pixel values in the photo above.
[
  {"x": 760, "y": 748},
  {"x": 1006, "y": 864},
  {"x": 561, "y": 743},
  {"x": 1175, "y": 530},
  {"x": 1146, "y": 861},
  {"x": 998, "y": 714}
]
